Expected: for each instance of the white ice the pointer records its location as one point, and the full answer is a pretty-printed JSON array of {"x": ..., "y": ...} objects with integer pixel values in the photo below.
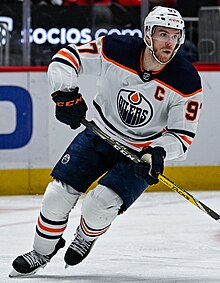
[{"x": 161, "y": 238}]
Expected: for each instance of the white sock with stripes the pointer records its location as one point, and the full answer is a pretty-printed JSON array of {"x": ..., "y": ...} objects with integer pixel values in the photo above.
[
  {"x": 99, "y": 209},
  {"x": 57, "y": 203}
]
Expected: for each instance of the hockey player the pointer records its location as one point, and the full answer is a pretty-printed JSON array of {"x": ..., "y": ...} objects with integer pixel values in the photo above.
[{"x": 148, "y": 98}]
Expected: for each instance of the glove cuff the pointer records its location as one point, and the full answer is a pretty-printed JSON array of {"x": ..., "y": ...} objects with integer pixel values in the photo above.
[{"x": 67, "y": 94}]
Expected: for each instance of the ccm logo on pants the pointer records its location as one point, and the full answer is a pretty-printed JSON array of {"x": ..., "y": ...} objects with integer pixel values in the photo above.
[{"x": 22, "y": 131}]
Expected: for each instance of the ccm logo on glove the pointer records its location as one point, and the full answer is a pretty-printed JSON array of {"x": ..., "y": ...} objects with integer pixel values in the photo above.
[
  {"x": 69, "y": 103},
  {"x": 70, "y": 107}
]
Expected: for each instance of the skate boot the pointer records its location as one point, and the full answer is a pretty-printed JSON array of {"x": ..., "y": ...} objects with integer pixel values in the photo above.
[
  {"x": 78, "y": 250},
  {"x": 29, "y": 263}
]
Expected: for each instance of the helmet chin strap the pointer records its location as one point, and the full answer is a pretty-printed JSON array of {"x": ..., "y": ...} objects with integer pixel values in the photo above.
[{"x": 150, "y": 46}]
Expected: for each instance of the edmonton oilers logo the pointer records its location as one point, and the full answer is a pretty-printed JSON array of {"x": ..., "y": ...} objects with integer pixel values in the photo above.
[
  {"x": 133, "y": 108},
  {"x": 65, "y": 159}
]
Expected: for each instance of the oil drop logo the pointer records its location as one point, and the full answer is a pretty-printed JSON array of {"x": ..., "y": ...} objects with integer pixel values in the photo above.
[{"x": 134, "y": 109}]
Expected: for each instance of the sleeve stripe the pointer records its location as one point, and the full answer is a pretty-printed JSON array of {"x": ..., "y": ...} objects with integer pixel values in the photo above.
[
  {"x": 183, "y": 132},
  {"x": 176, "y": 136},
  {"x": 68, "y": 56},
  {"x": 74, "y": 52},
  {"x": 63, "y": 61},
  {"x": 186, "y": 139}
]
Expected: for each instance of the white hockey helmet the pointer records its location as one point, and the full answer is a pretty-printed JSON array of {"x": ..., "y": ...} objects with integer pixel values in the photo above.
[{"x": 165, "y": 17}]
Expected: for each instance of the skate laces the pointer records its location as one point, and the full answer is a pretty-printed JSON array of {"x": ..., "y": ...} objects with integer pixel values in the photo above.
[
  {"x": 80, "y": 245},
  {"x": 35, "y": 259}
]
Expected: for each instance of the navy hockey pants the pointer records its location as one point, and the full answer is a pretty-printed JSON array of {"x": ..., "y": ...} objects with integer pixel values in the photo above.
[{"x": 88, "y": 157}]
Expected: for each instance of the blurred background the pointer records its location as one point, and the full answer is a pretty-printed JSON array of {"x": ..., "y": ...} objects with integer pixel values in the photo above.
[{"x": 31, "y": 31}]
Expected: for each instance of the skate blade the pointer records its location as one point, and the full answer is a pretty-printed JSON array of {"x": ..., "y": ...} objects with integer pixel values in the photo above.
[
  {"x": 14, "y": 274},
  {"x": 66, "y": 266}
]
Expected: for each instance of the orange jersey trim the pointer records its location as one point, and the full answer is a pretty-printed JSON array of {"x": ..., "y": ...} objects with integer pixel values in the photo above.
[
  {"x": 116, "y": 63},
  {"x": 180, "y": 93},
  {"x": 141, "y": 64},
  {"x": 186, "y": 139},
  {"x": 141, "y": 60}
]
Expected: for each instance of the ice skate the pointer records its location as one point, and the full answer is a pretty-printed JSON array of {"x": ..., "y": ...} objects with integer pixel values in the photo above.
[
  {"x": 29, "y": 263},
  {"x": 78, "y": 250}
]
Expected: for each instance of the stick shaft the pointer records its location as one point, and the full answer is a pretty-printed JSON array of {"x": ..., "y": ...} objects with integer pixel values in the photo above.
[{"x": 163, "y": 179}]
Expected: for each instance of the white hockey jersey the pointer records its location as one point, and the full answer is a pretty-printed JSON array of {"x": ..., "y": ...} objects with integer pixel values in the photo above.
[{"x": 136, "y": 107}]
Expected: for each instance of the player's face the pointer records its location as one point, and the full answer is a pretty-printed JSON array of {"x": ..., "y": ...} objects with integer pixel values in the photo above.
[{"x": 164, "y": 42}]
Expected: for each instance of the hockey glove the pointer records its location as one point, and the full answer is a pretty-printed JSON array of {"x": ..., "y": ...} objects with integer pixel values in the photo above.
[
  {"x": 152, "y": 165},
  {"x": 70, "y": 107}
]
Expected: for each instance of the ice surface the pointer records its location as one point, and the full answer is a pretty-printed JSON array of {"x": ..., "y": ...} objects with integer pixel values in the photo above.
[{"x": 161, "y": 238}]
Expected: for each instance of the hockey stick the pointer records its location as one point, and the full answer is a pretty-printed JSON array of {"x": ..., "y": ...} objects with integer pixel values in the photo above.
[{"x": 163, "y": 179}]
